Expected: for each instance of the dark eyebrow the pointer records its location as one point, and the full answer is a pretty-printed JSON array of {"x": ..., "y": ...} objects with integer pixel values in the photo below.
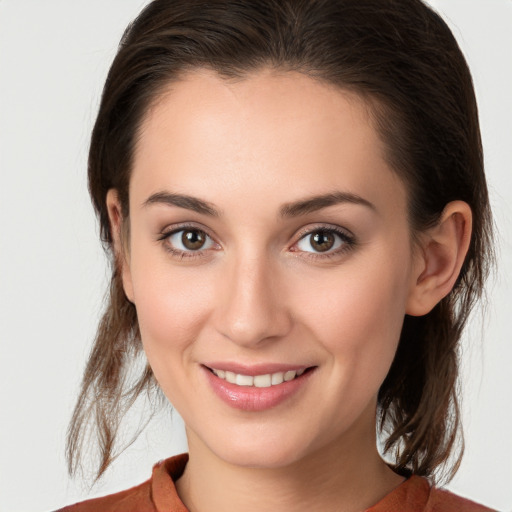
[
  {"x": 294, "y": 209},
  {"x": 182, "y": 201},
  {"x": 312, "y": 204}
]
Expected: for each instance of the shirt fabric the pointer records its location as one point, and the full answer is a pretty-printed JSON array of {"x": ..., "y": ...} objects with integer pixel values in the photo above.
[{"x": 158, "y": 494}]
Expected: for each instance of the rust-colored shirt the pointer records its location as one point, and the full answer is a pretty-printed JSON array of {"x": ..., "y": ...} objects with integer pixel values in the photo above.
[{"x": 158, "y": 494}]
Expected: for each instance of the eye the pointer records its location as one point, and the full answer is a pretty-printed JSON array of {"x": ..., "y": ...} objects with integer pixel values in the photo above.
[
  {"x": 325, "y": 240},
  {"x": 189, "y": 240}
]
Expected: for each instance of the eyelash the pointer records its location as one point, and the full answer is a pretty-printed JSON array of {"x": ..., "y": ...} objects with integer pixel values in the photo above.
[
  {"x": 177, "y": 253},
  {"x": 348, "y": 242}
]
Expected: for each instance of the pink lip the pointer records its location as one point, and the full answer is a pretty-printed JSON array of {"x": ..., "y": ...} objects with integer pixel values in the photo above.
[{"x": 248, "y": 398}]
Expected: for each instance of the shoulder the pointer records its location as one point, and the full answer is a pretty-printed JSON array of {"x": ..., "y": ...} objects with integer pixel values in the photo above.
[
  {"x": 137, "y": 498},
  {"x": 156, "y": 494},
  {"x": 441, "y": 500},
  {"x": 416, "y": 494}
]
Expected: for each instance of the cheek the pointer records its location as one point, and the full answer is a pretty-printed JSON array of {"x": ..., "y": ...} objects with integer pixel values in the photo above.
[
  {"x": 171, "y": 306},
  {"x": 357, "y": 315}
]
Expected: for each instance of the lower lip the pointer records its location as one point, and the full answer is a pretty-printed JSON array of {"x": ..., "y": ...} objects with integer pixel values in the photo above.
[{"x": 251, "y": 398}]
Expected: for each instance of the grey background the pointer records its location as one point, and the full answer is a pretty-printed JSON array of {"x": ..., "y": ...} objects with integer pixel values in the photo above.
[{"x": 54, "y": 56}]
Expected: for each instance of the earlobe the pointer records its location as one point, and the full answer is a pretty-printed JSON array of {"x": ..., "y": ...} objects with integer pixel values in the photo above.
[
  {"x": 440, "y": 258},
  {"x": 119, "y": 243}
]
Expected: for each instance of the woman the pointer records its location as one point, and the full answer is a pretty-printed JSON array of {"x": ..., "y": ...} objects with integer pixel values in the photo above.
[{"x": 294, "y": 198}]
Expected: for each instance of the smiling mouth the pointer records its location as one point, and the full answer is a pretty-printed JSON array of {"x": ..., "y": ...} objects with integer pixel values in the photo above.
[
  {"x": 258, "y": 381},
  {"x": 256, "y": 388}
]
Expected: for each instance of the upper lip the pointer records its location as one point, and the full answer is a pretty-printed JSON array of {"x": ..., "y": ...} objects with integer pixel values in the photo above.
[{"x": 254, "y": 369}]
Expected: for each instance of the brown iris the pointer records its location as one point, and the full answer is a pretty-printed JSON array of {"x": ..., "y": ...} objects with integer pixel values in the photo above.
[
  {"x": 193, "y": 239},
  {"x": 322, "y": 241}
]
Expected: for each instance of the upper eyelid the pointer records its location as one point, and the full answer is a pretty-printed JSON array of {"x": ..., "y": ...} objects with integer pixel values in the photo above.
[
  {"x": 300, "y": 233},
  {"x": 176, "y": 228},
  {"x": 324, "y": 227},
  {"x": 348, "y": 239},
  {"x": 349, "y": 242},
  {"x": 166, "y": 233}
]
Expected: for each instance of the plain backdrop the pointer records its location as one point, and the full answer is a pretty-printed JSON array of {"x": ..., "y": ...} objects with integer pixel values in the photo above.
[{"x": 54, "y": 55}]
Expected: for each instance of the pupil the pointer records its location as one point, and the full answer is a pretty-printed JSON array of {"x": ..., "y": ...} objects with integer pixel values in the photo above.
[
  {"x": 193, "y": 239},
  {"x": 322, "y": 241}
]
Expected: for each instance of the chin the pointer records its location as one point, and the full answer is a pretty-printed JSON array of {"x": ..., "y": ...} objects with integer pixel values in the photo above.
[
  {"x": 259, "y": 451},
  {"x": 261, "y": 459}
]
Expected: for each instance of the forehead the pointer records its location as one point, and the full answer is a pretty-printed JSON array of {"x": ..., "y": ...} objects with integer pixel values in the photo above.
[
  {"x": 270, "y": 129},
  {"x": 303, "y": 106}
]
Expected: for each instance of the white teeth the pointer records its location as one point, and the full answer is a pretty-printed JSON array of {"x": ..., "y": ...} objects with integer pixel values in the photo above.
[
  {"x": 259, "y": 381},
  {"x": 290, "y": 375},
  {"x": 263, "y": 381},
  {"x": 244, "y": 380},
  {"x": 277, "y": 378}
]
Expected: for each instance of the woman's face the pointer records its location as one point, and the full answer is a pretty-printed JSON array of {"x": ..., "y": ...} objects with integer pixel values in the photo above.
[{"x": 268, "y": 241}]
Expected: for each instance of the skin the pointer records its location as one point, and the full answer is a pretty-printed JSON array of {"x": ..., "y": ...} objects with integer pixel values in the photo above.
[{"x": 259, "y": 292}]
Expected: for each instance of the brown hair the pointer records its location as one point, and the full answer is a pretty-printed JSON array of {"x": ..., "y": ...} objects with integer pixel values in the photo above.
[{"x": 401, "y": 57}]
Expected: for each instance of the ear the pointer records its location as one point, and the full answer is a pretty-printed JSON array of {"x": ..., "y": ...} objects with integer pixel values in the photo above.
[
  {"x": 121, "y": 252},
  {"x": 441, "y": 254}
]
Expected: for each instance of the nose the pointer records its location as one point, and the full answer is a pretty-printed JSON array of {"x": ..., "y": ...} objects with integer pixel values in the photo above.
[{"x": 252, "y": 307}]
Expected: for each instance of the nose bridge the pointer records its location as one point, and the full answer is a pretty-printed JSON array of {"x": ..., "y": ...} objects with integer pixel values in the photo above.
[{"x": 253, "y": 308}]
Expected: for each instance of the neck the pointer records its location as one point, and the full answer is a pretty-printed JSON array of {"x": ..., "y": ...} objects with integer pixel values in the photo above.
[{"x": 347, "y": 474}]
